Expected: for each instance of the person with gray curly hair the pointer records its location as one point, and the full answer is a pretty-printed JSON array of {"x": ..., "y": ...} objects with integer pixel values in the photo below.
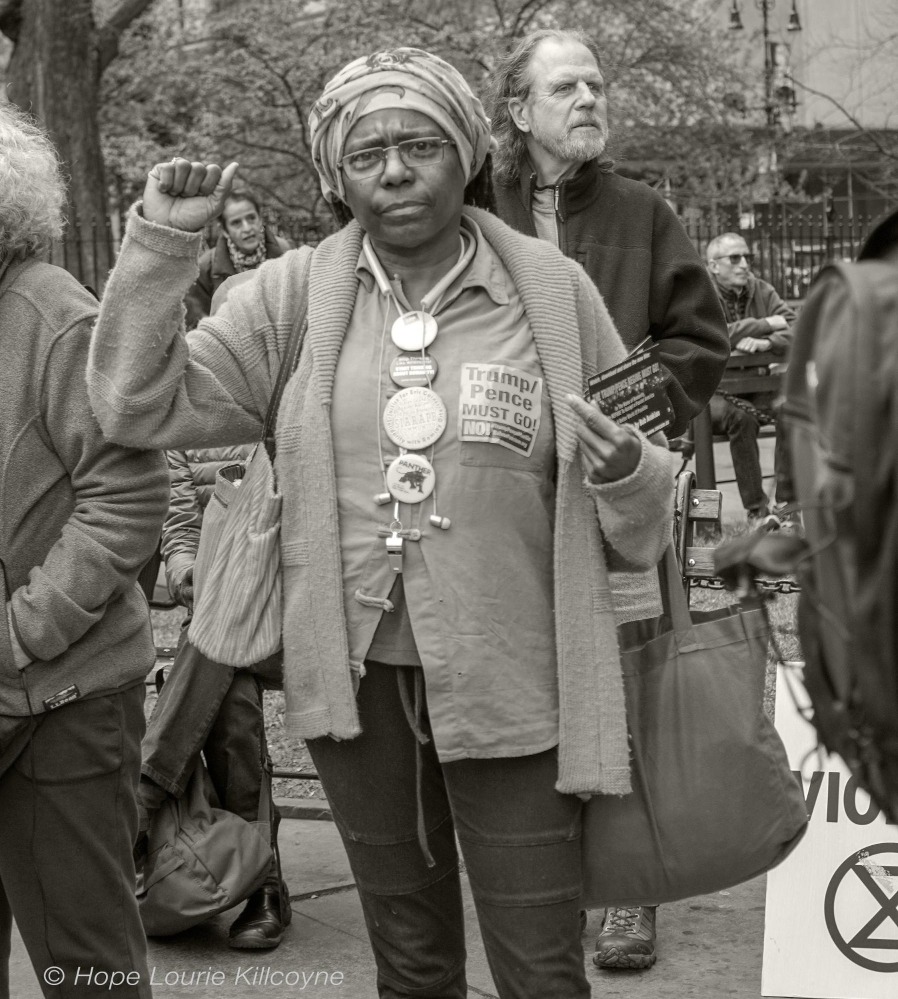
[
  {"x": 79, "y": 518},
  {"x": 33, "y": 191}
]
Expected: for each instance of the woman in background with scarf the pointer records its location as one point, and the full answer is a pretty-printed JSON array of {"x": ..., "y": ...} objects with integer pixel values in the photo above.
[{"x": 244, "y": 243}]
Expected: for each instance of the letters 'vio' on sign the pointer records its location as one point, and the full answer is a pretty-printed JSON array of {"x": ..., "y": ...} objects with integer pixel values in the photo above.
[{"x": 831, "y": 923}]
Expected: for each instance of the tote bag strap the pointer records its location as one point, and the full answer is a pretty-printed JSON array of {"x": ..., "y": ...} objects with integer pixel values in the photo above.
[
  {"x": 289, "y": 360},
  {"x": 673, "y": 595}
]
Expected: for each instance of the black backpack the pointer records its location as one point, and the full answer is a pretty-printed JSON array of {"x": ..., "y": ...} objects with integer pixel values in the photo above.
[{"x": 841, "y": 411}]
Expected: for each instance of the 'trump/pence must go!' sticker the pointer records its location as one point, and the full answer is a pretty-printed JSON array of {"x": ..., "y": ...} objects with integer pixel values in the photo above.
[{"x": 499, "y": 405}]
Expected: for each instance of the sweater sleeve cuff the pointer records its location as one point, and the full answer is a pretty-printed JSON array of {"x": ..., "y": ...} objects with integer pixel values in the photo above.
[
  {"x": 176, "y": 568},
  {"x": 162, "y": 238},
  {"x": 652, "y": 461},
  {"x": 20, "y": 654}
]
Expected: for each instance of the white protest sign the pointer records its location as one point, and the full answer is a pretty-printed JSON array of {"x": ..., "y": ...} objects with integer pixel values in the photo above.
[{"x": 831, "y": 923}]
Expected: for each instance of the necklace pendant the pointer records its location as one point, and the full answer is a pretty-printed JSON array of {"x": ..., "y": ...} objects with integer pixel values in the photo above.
[
  {"x": 415, "y": 418},
  {"x": 409, "y": 370},
  {"x": 410, "y": 478},
  {"x": 414, "y": 331}
]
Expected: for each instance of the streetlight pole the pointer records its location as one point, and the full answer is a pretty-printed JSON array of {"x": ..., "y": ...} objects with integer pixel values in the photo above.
[
  {"x": 772, "y": 102},
  {"x": 770, "y": 110}
]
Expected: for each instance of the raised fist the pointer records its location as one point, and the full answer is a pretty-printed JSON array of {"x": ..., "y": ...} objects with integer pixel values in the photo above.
[{"x": 186, "y": 195}]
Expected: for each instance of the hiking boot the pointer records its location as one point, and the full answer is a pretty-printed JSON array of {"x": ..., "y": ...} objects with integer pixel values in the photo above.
[
  {"x": 627, "y": 939},
  {"x": 760, "y": 518},
  {"x": 789, "y": 519}
]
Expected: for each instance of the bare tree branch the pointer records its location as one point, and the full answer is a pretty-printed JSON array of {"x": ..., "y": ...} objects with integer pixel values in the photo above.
[
  {"x": 871, "y": 136},
  {"x": 110, "y": 33}
]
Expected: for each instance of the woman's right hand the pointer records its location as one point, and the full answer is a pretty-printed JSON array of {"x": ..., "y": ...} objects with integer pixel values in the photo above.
[{"x": 186, "y": 195}]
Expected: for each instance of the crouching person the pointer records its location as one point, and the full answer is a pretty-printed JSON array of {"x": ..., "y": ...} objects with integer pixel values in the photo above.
[{"x": 78, "y": 518}]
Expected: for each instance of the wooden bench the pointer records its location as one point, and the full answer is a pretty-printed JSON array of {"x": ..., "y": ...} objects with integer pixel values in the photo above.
[
  {"x": 745, "y": 373},
  {"x": 694, "y": 507}
]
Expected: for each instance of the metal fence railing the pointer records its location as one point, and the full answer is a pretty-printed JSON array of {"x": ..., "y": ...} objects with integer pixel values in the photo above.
[{"x": 790, "y": 243}]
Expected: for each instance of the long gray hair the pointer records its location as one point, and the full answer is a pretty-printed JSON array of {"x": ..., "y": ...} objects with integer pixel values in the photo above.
[
  {"x": 511, "y": 79},
  {"x": 32, "y": 189}
]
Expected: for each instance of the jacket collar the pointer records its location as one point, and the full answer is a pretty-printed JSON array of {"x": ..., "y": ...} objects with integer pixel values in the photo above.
[
  {"x": 534, "y": 269},
  {"x": 573, "y": 194},
  {"x": 10, "y": 267}
]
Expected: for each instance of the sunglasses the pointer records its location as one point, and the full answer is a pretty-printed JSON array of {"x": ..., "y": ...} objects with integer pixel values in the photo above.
[{"x": 735, "y": 258}]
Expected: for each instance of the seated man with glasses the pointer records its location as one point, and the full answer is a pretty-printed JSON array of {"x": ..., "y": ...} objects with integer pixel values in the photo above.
[{"x": 757, "y": 320}]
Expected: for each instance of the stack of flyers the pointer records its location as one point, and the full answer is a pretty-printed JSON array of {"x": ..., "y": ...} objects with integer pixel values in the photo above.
[{"x": 634, "y": 392}]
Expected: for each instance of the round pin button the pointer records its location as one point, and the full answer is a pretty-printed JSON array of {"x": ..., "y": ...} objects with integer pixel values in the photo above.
[
  {"x": 414, "y": 331},
  {"x": 413, "y": 369},
  {"x": 415, "y": 418},
  {"x": 410, "y": 478}
]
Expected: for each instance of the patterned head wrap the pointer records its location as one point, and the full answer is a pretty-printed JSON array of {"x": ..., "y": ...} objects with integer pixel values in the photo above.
[{"x": 403, "y": 78}]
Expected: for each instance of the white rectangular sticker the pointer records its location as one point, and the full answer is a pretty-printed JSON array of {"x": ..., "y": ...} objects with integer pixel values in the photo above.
[{"x": 499, "y": 405}]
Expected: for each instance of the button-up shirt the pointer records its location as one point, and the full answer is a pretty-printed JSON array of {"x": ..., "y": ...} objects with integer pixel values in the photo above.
[{"x": 478, "y": 595}]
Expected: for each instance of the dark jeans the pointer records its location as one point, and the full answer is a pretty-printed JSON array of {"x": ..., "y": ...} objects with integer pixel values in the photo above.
[
  {"x": 520, "y": 840},
  {"x": 741, "y": 427},
  {"x": 69, "y": 819}
]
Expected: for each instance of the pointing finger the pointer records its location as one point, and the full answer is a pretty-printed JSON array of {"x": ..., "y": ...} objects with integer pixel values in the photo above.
[{"x": 592, "y": 416}]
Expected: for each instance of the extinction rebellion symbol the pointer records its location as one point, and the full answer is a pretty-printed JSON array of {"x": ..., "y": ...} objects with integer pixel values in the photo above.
[{"x": 861, "y": 907}]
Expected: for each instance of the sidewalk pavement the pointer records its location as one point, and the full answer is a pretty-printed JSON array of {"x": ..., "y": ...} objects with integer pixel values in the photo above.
[{"x": 708, "y": 947}]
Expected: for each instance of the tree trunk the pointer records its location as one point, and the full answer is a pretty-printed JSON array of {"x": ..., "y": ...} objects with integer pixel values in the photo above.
[{"x": 54, "y": 73}]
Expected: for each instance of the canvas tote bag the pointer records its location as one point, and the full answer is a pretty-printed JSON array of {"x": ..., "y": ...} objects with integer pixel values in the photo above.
[
  {"x": 237, "y": 615},
  {"x": 714, "y": 800}
]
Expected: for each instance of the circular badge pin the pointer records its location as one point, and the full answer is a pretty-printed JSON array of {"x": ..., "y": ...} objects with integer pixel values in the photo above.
[
  {"x": 410, "y": 478},
  {"x": 415, "y": 418},
  {"x": 414, "y": 331},
  {"x": 413, "y": 369}
]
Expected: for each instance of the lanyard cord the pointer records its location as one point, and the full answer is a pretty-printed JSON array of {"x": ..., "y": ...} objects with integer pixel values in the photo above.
[{"x": 430, "y": 303}]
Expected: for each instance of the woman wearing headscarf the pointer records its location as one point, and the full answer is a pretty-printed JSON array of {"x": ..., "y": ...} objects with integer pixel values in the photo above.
[{"x": 452, "y": 509}]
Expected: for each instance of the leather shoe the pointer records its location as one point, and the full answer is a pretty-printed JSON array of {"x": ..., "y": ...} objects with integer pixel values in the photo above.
[{"x": 264, "y": 919}]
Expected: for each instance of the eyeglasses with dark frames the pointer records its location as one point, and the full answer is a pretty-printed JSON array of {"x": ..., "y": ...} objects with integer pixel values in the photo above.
[
  {"x": 735, "y": 258},
  {"x": 424, "y": 151}
]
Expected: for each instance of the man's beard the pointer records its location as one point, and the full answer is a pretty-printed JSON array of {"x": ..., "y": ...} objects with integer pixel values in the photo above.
[{"x": 577, "y": 146}]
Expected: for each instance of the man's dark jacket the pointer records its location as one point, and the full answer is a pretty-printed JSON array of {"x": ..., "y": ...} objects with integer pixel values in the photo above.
[
  {"x": 653, "y": 281},
  {"x": 216, "y": 267},
  {"x": 747, "y": 310}
]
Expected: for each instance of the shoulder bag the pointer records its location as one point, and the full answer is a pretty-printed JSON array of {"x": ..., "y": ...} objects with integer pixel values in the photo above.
[
  {"x": 714, "y": 800},
  {"x": 237, "y": 615}
]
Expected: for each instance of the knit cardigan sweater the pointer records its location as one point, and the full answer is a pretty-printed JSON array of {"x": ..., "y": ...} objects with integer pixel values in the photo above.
[{"x": 149, "y": 385}]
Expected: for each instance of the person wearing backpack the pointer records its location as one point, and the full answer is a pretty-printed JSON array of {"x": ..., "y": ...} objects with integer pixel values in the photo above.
[{"x": 840, "y": 408}]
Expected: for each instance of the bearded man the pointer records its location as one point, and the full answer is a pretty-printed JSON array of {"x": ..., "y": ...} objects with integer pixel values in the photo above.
[{"x": 553, "y": 180}]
